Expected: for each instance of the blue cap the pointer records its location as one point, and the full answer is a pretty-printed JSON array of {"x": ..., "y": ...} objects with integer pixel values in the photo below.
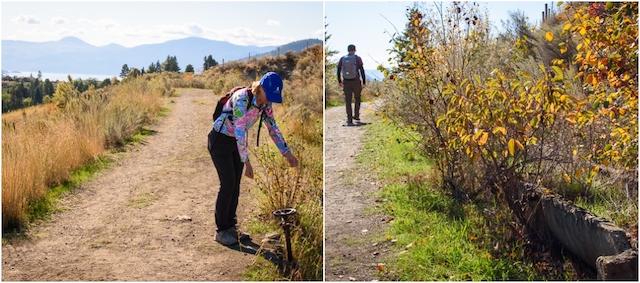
[{"x": 272, "y": 85}]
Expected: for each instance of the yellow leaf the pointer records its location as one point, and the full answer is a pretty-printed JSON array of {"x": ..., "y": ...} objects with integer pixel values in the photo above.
[
  {"x": 501, "y": 130},
  {"x": 582, "y": 31},
  {"x": 416, "y": 22},
  {"x": 566, "y": 177},
  {"x": 483, "y": 139},
  {"x": 575, "y": 152},
  {"x": 520, "y": 146},
  {"x": 477, "y": 135},
  {"x": 512, "y": 146},
  {"x": 549, "y": 36}
]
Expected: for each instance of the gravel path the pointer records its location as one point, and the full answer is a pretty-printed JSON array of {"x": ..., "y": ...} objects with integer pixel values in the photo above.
[{"x": 351, "y": 254}]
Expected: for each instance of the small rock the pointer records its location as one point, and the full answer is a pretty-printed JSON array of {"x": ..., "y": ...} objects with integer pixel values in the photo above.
[
  {"x": 182, "y": 218},
  {"x": 364, "y": 231},
  {"x": 409, "y": 245},
  {"x": 349, "y": 221},
  {"x": 376, "y": 253},
  {"x": 352, "y": 279}
]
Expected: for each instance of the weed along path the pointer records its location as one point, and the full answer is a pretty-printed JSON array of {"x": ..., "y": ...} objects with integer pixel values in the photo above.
[
  {"x": 352, "y": 247},
  {"x": 150, "y": 217}
]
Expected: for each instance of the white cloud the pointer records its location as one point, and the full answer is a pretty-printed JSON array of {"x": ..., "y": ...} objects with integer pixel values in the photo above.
[
  {"x": 27, "y": 19},
  {"x": 318, "y": 33},
  {"x": 84, "y": 21},
  {"x": 273, "y": 23},
  {"x": 70, "y": 32},
  {"x": 194, "y": 29},
  {"x": 103, "y": 23},
  {"x": 107, "y": 24},
  {"x": 245, "y": 36},
  {"x": 58, "y": 21}
]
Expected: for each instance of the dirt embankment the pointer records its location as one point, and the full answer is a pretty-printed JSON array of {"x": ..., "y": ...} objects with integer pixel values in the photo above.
[
  {"x": 351, "y": 253},
  {"x": 148, "y": 218}
]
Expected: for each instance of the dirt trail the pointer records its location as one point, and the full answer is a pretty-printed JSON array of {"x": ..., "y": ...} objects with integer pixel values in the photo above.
[
  {"x": 124, "y": 225},
  {"x": 350, "y": 252}
]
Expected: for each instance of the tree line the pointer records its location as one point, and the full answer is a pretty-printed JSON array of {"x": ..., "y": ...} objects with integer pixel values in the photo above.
[
  {"x": 169, "y": 65},
  {"x": 20, "y": 92}
]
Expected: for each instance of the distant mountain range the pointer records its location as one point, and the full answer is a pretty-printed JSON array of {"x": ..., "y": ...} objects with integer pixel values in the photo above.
[{"x": 74, "y": 56}]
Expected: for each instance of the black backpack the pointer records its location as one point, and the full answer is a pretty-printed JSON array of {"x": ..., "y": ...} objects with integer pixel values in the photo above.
[
  {"x": 349, "y": 67},
  {"x": 223, "y": 100}
]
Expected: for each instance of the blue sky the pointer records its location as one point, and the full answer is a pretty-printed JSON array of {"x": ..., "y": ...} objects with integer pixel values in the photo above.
[
  {"x": 364, "y": 23},
  {"x": 135, "y": 23}
]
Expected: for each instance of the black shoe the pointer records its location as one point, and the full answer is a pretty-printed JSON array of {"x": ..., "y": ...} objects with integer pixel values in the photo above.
[{"x": 356, "y": 118}]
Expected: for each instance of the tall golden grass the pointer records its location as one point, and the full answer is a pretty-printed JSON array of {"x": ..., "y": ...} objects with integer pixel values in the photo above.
[{"x": 40, "y": 150}]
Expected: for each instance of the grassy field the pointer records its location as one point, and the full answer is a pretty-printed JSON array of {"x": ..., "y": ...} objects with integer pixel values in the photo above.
[
  {"x": 437, "y": 238},
  {"x": 43, "y": 146}
]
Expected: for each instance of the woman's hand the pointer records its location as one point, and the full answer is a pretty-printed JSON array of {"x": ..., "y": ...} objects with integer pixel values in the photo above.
[
  {"x": 248, "y": 171},
  {"x": 293, "y": 162}
]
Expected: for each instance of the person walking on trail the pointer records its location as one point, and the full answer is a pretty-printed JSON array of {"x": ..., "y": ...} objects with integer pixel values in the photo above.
[
  {"x": 227, "y": 144},
  {"x": 352, "y": 80}
]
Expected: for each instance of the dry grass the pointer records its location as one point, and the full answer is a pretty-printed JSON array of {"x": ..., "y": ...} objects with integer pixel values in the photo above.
[{"x": 41, "y": 149}]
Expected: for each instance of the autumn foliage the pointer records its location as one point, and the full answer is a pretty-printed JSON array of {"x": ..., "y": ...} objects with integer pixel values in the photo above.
[{"x": 489, "y": 122}]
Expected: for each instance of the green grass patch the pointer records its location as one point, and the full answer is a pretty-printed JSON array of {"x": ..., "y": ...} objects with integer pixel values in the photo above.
[
  {"x": 261, "y": 270},
  {"x": 142, "y": 201},
  {"x": 139, "y": 137},
  {"x": 434, "y": 237},
  {"x": 43, "y": 207}
]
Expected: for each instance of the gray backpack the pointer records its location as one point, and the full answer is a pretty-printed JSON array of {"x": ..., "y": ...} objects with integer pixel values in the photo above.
[{"x": 349, "y": 67}]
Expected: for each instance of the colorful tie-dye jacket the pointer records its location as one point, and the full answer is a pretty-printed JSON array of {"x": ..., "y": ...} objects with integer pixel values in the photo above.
[{"x": 235, "y": 122}]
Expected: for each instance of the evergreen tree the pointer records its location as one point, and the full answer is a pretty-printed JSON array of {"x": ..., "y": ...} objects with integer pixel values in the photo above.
[
  {"x": 125, "y": 71},
  {"x": 47, "y": 88},
  {"x": 188, "y": 69},
  {"x": 35, "y": 92},
  {"x": 171, "y": 64},
  {"x": 105, "y": 82},
  {"x": 80, "y": 85},
  {"x": 209, "y": 62}
]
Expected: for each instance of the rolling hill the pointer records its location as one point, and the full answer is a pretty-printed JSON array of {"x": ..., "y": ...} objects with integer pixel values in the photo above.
[{"x": 72, "y": 55}]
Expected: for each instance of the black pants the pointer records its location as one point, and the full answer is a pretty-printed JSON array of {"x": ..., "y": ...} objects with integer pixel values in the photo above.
[
  {"x": 352, "y": 88},
  {"x": 224, "y": 154}
]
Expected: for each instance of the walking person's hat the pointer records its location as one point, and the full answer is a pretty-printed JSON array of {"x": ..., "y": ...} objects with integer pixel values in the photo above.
[
  {"x": 272, "y": 85},
  {"x": 351, "y": 47}
]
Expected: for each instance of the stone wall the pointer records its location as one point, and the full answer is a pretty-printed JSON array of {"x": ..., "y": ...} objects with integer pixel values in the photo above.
[{"x": 594, "y": 240}]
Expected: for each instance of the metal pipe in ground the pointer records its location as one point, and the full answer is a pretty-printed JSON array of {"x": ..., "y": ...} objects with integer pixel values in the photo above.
[{"x": 286, "y": 226}]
